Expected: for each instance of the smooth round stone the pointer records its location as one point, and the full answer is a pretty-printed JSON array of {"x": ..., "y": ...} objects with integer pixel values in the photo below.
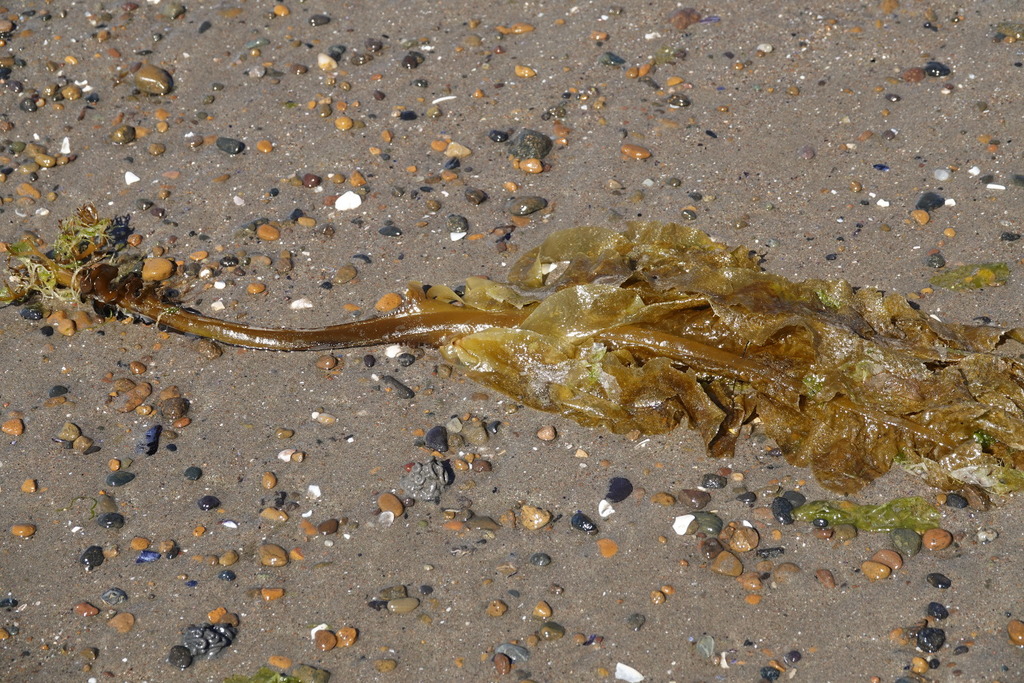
[
  {"x": 581, "y": 522},
  {"x": 111, "y": 520},
  {"x": 208, "y": 502},
  {"x": 153, "y": 80},
  {"x": 403, "y": 605},
  {"x": 939, "y": 580},
  {"x": 475, "y": 197},
  {"x": 930, "y": 639},
  {"x": 122, "y": 135},
  {"x": 179, "y": 657},
  {"x": 534, "y": 518},
  {"x": 929, "y": 201},
  {"x": 906, "y": 541},
  {"x": 936, "y": 69},
  {"x": 230, "y": 145},
  {"x": 436, "y": 439},
  {"x": 193, "y": 473},
  {"x": 319, "y": 20},
  {"x": 875, "y": 571},
  {"x": 91, "y": 557},
  {"x": 456, "y": 223},
  {"x": 936, "y": 539},
  {"x": 272, "y": 555},
  {"x": 795, "y": 497},
  {"x": 119, "y": 478},
  {"x": 529, "y": 144},
  {"x": 844, "y": 532},
  {"x": 936, "y": 610},
  {"x": 540, "y": 559},
  {"x": 713, "y": 481},
  {"x": 693, "y": 498},
  {"x": 890, "y": 558},
  {"x": 551, "y": 630},
  {"x": 782, "y": 510},
  {"x": 726, "y": 563},
  {"x": 393, "y": 593},
  {"x": 636, "y": 621},
  {"x": 157, "y": 269},
  {"x": 956, "y": 501},
  {"x": 524, "y": 206},
  {"x": 226, "y": 575}
]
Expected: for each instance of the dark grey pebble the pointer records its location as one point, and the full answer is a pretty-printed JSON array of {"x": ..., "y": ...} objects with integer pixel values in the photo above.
[
  {"x": 390, "y": 230},
  {"x": 930, "y": 639},
  {"x": 456, "y": 223},
  {"x": 91, "y": 557},
  {"x": 540, "y": 559},
  {"x": 524, "y": 206},
  {"x": 111, "y": 520},
  {"x": 707, "y": 523},
  {"x": 319, "y": 20},
  {"x": 748, "y": 498},
  {"x": 114, "y": 596},
  {"x": 770, "y": 553},
  {"x": 769, "y": 673},
  {"x": 636, "y": 621},
  {"x": 399, "y": 389},
  {"x": 230, "y": 145},
  {"x": 173, "y": 408},
  {"x": 937, "y": 69},
  {"x": 795, "y": 497},
  {"x": 226, "y": 575},
  {"x": 619, "y": 489},
  {"x": 930, "y": 201},
  {"x": 529, "y": 144},
  {"x": 939, "y": 580},
  {"x": 906, "y": 541},
  {"x": 436, "y": 439},
  {"x": 120, "y": 478},
  {"x": 179, "y": 657},
  {"x": 937, "y": 610},
  {"x": 517, "y": 653},
  {"x": 58, "y": 390},
  {"x": 936, "y": 260},
  {"x": 610, "y": 59},
  {"x": 498, "y": 136},
  {"x": 405, "y": 359},
  {"x": 473, "y": 196},
  {"x": 694, "y": 498},
  {"x": 782, "y": 510},
  {"x": 713, "y": 481},
  {"x": 955, "y": 500},
  {"x": 208, "y": 502},
  {"x": 193, "y": 473},
  {"x": 1008, "y": 236},
  {"x": 581, "y": 522},
  {"x": 792, "y": 657}
]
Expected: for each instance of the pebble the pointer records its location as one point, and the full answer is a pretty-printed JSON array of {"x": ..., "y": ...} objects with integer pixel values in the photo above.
[
  {"x": 325, "y": 640},
  {"x": 619, "y": 489},
  {"x": 91, "y": 557},
  {"x": 230, "y": 145},
  {"x": 875, "y": 571},
  {"x": 272, "y": 555},
  {"x": 502, "y": 664},
  {"x": 693, "y": 498},
  {"x": 208, "y": 503},
  {"x": 114, "y": 596},
  {"x": 906, "y": 541},
  {"x": 937, "y": 610},
  {"x": 635, "y": 151},
  {"x": 517, "y": 653},
  {"x": 193, "y": 473},
  {"x": 153, "y": 80},
  {"x": 936, "y": 539},
  {"x": 496, "y": 608},
  {"x": 890, "y": 558},
  {"x": 119, "y": 478},
  {"x": 726, "y": 563},
  {"x": 157, "y": 269},
  {"x": 551, "y": 630},
  {"x": 956, "y": 501},
  {"x": 782, "y": 510},
  {"x": 23, "y": 530},
  {"x": 13, "y": 427},
  {"x": 528, "y": 144},
  {"x": 581, "y": 522},
  {"x": 534, "y": 518},
  {"x": 540, "y": 559},
  {"x": 663, "y": 498},
  {"x": 1015, "y": 631},
  {"x": 684, "y": 18},
  {"x": 389, "y": 502},
  {"x": 524, "y": 206},
  {"x": 179, "y": 657},
  {"x": 607, "y": 547},
  {"x": 939, "y": 580},
  {"x": 744, "y": 539},
  {"x": 122, "y": 622},
  {"x": 110, "y": 520},
  {"x": 397, "y": 388},
  {"x": 713, "y": 481},
  {"x": 930, "y": 639}
]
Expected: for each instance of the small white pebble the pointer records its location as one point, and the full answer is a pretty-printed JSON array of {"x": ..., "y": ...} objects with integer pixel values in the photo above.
[
  {"x": 219, "y": 285},
  {"x": 300, "y": 304},
  {"x": 313, "y": 490},
  {"x": 941, "y": 174},
  {"x": 65, "y": 146},
  {"x": 217, "y": 305},
  {"x": 349, "y": 200},
  {"x": 882, "y": 203},
  {"x": 130, "y": 178},
  {"x": 238, "y": 201},
  {"x": 624, "y": 672},
  {"x": 456, "y": 236},
  {"x": 974, "y": 170},
  {"x": 765, "y": 48},
  {"x": 326, "y": 62},
  {"x": 286, "y": 455},
  {"x": 995, "y": 186}
]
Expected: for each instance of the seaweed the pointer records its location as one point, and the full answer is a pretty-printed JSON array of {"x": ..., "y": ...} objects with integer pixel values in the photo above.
[
  {"x": 659, "y": 326},
  {"x": 900, "y": 513}
]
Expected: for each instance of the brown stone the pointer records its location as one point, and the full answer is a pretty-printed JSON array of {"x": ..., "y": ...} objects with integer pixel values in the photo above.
[
  {"x": 347, "y": 636},
  {"x": 272, "y": 555},
  {"x": 726, "y": 563},
  {"x": 825, "y": 578},
  {"x": 122, "y": 622},
  {"x": 890, "y": 558},
  {"x": 875, "y": 571},
  {"x": 325, "y": 640},
  {"x": 389, "y": 502},
  {"x": 936, "y": 539},
  {"x": 1015, "y": 630},
  {"x": 85, "y": 609}
]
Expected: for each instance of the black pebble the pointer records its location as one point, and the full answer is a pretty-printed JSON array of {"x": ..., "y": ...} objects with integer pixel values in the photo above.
[
  {"x": 1010, "y": 236},
  {"x": 748, "y": 498},
  {"x": 319, "y": 20},
  {"x": 713, "y": 481},
  {"x": 937, "y": 610},
  {"x": 226, "y": 575},
  {"x": 179, "y": 657},
  {"x": 208, "y": 502},
  {"x": 111, "y": 520},
  {"x": 955, "y": 500},
  {"x": 119, "y": 478},
  {"x": 8, "y": 603},
  {"x": 369, "y": 360},
  {"x": 31, "y": 314},
  {"x": 405, "y": 359},
  {"x": 58, "y": 390},
  {"x": 91, "y": 557},
  {"x": 793, "y": 656},
  {"x": 581, "y": 522},
  {"x": 782, "y": 510},
  {"x": 795, "y": 497},
  {"x": 770, "y": 553},
  {"x": 819, "y": 523},
  {"x": 390, "y": 230},
  {"x": 930, "y": 201},
  {"x": 193, "y": 473},
  {"x": 769, "y": 673},
  {"x": 930, "y": 639},
  {"x": 230, "y": 145},
  {"x": 437, "y": 439},
  {"x": 498, "y": 136},
  {"x": 936, "y": 69},
  {"x": 619, "y": 489},
  {"x": 939, "y": 580},
  {"x": 114, "y": 596}
]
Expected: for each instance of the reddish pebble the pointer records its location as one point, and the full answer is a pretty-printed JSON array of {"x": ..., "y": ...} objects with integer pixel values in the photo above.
[
  {"x": 913, "y": 75},
  {"x": 890, "y": 558},
  {"x": 825, "y": 578},
  {"x": 84, "y": 609},
  {"x": 936, "y": 539},
  {"x": 635, "y": 151},
  {"x": 684, "y": 18},
  {"x": 502, "y": 664}
]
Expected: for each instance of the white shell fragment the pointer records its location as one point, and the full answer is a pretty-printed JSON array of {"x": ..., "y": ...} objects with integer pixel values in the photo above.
[
  {"x": 347, "y": 201},
  {"x": 130, "y": 178},
  {"x": 682, "y": 524},
  {"x": 624, "y": 672},
  {"x": 605, "y": 509}
]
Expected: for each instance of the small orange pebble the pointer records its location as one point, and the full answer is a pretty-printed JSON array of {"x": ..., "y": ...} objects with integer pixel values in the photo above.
[
  {"x": 198, "y": 255},
  {"x": 936, "y": 539},
  {"x": 256, "y": 288},
  {"x": 875, "y": 571},
  {"x": 23, "y": 530},
  {"x": 635, "y": 151},
  {"x": 356, "y": 179},
  {"x": 388, "y": 302},
  {"x": 1015, "y": 631},
  {"x": 271, "y": 594},
  {"x": 453, "y": 525},
  {"x": 607, "y": 547},
  {"x": 672, "y": 81},
  {"x": 13, "y": 427},
  {"x": 524, "y": 71},
  {"x": 281, "y": 11},
  {"x": 279, "y": 661},
  {"x": 438, "y": 145},
  {"x": 949, "y": 232},
  {"x": 890, "y": 558},
  {"x": 268, "y": 232},
  {"x": 347, "y": 636},
  {"x": 215, "y": 615},
  {"x": 531, "y": 166},
  {"x": 920, "y": 216},
  {"x": 265, "y": 146},
  {"x": 343, "y": 123},
  {"x": 752, "y": 599},
  {"x": 29, "y": 486}
]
